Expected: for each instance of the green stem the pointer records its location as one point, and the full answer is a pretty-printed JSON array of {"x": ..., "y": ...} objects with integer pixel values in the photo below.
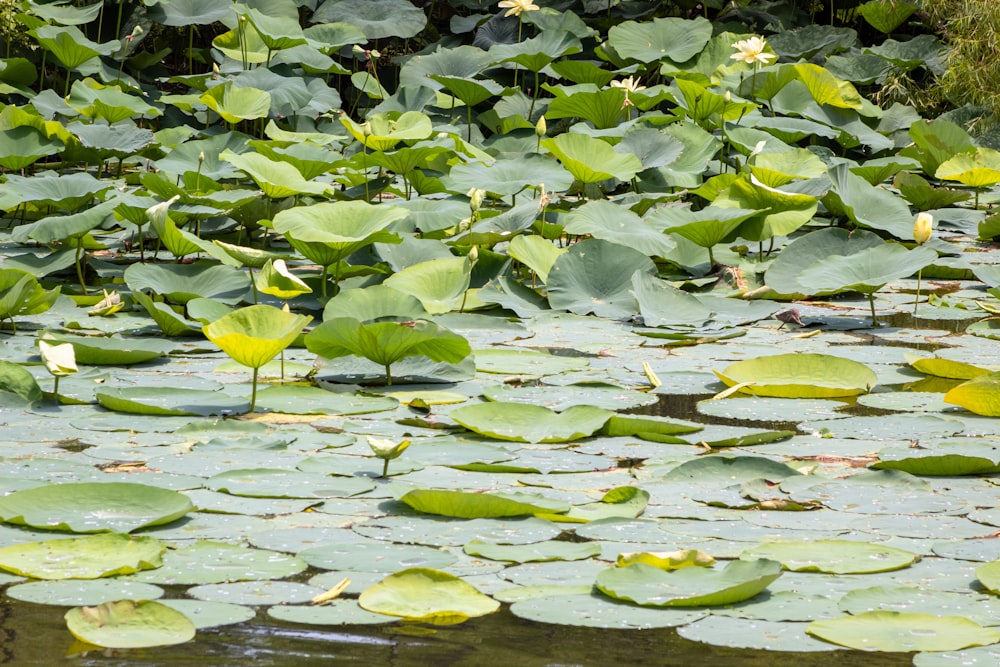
[
  {"x": 871, "y": 304},
  {"x": 79, "y": 267},
  {"x": 916, "y": 301},
  {"x": 253, "y": 395},
  {"x": 55, "y": 389},
  {"x": 388, "y": 376},
  {"x": 385, "y": 467}
]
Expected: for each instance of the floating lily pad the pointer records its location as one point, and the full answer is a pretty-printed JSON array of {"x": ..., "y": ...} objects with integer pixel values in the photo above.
[
  {"x": 800, "y": 375},
  {"x": 834, "y": 556},
  {"x": 421, "y": 594},
  {"x": 903, "y": 632},
  {"x": 373, "y": 556},
  {"x": 761, "y": 635},
  {"x": 466, "y": 505},
  {"x": 273, "y": 483},
  {"x": 207, "y": 562},
  {"x": 91, "y": 507},
  {"x": 530, "y": 423},
  {"x": 129, "y": 624},
  {"x": 526, "y": 362},
  {"x": 211, "y": 614},
  {"x": 592, "y": 610},
  {"x": 528, "y": 553},
  {"x": 72, "y": 593},
  {"x": 297, "y": 400},
  {"x": 90, "y": 557},
  {"x": 170, "y": 401},
  {"x": 256, "y": 593},
  {"x": 337, "y": 612},
  {"x": 690, "y": 586}
]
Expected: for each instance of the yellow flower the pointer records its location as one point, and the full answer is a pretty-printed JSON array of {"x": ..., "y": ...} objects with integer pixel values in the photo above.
[
  {"x": 751, "y": 51},
  {"x": 518, "y": 7},
  {"x": 923, "y": 227}
]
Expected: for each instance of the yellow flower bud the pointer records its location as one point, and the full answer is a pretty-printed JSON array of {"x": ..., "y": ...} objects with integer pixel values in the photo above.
[
  {"x": 923, "y": 227},
  {"x": 476, "y": 198},
  {"x": 540, "y": 127}
]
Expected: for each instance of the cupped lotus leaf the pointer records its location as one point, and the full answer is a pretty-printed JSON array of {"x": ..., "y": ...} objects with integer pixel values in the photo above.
[
  {"x": 130, "y": 624},
  {"x": 989, "y": 576},
  {"x": 70, "y": 45},
  {"x": 277, "y": 280},
  {"x": 182, "y": 282},
  {"x": 625, "y": 501},
  {"x": 834, "y": 556},
  {"x": 111, "y": 350},
  {"x": 673, "y": 39},
  {"x": 338, "y": 228},
  {"x": 68, "y": 191},
  {"x": 372, "y": 303},
  {"x": 802, "y": 375},
  {"x": 21, "y": 294},
  {"x": 778, "y": 212},
  {"x": 595, "y": 276},
  {"x": 181, "y": 13},
  {"x": 981, "y": 395},
  {"x": 429, "y": 596},
  {"x": 946, "y": 368},
  {"x": 439, "y": 284},
  {"x": 650, "y": 586},
  {"x": 603, "y": 108},
  {"x": 276, "y": 178},
  {"x": 591, "y": 160},
  {"x": 21, "y": 146},
  {"x": 256, "y": 334},
  {"x": 667, "y": 560},
  {"x": 706, "y": 228},
  {"x": 237, "y": 103},
  {"x": 507, "y": 177},
  {"x": 521, "y": 422},
  {"x": 386, "y": 342},
  {"x": 978, "y": 170},
  {"x": 903, "y": 632},
  {"x": 90, "y": 557},
  {"x": 533, "y": 553},
  {"x": 87, "y": 507},
  {"x": 63, "y": 227},
  {"x": 376, "y": 18},
  {"x": 277, "y": 32},
  {"x": 468, "y": 505},
  {"x": 382, "y": 131},
  {"x": 169, "y": 401},
  {"x": 868, "y": 270},
  {"x": 535, "y": 252},
  {"x": 827, "y": 89}
]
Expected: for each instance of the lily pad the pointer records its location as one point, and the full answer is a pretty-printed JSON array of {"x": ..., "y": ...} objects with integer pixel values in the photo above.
[
  {"x": 129, "y": 624},
  {"x": 430, "y": 596},
  {"x": 90, "y": 557},
  {"x": 801, "y": 375},
  {"x": 903, "y": 632},
  {"x": 690, "y": 586},
  {"x": 523, "y": 422},
  {"x": 834, "y": 556}
]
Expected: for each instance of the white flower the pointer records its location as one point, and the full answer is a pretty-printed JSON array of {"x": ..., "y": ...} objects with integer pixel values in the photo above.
[
  {"x": 387, "y": 449},
  {"x": 158, "y": 214},
  {"x": 751, "y": 51},
  {"x": 629, "y": 85},
  {"x": 517, "y": 7}
]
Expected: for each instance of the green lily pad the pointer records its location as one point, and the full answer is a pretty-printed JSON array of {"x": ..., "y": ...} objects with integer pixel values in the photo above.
[
  {"x": 530, "y": 553},
  {"x": 169, "y": 401},
  {"x": 421, "y": 594},
  {"x": 478, "y": 505},
  {"x": 337, "y": 612},
  {"x": 129, "y": 624},
  {"x": 522, "y": 422},
  {"x": 113, "y": 350},
  {"x": 206, "y": 562},
  {"x": 525, "y": 362},
  {"x": 72, "y": 592},
  {"x": 980, "y": 395},
  {"x": 374, "y": 556},
  {"x": 273, "y": 483},
  {"x": 903, "y": 632},
  {"x": 298, "y": 400},
  {"x": 834, "y": 556},
  {"x": 90, "y": 557},
  {"x": 592, "y": 610},
  {"x": 690, "y": 586},
  {"x": 206, "y": 614},
  {"x": 93, "y": 507},
  {"x": 800, "y": 375}
]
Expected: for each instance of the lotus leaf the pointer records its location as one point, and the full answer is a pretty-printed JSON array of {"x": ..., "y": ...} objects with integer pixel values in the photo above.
[
  {"x": 532, "y": 553},
  {"x": 465, "y": 505},
  {"x": 522, "y": 422},
  {"x": 16, "y": 379},
  {"x": 129, "y": 624},
  {"x": 182, "y": 282},
  {"x": 430, "y": 596},
  {"x": 276, "y": 178},
  {"x": 834, "y": 556},
  {"x": 650, "y": 586},
  {"x": 169, "y": 401},
  {"x": 439, "y": 284},
  {"x": 93, "y": 507},
  {"x": 979, "y": 395},
  {"x": 111, "y": 351},
  {"x": 90, "y": 557},
  {"x": 673, "y": 39},
  {"x": 581, "y": 154},
  {"x": 800, "y": 376},
  {"x": 903, "y": 632},
  {"x": 595, "y": 276},
  {"x": 74, "y": 592}
]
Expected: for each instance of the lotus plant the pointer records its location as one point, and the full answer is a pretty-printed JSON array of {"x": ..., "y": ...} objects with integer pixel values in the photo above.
[
  {"x": 386, "y": 450},
  {"x": 60, "y": 360},
  {"x": 923, "y": 227}
]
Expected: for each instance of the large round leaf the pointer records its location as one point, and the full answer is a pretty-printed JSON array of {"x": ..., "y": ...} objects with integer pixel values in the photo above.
[
  {"x": 376, "y": 18},
  {"x": 903, "y": 632},
  {"x": 783, "y": 276},
  {"x": 800, "y": 376},
  {"x": 129, "y": 624},
  {"x": 337, "y": 229},
  {"x": 523, "y": 422},
  {"x": 690, "y": 586},
  {"x": 172, "y": 401},
  {"x": 676, "y": 39},
  {"x": 182, "y": 282},
  {"x": 94, "y": 507},
  {"x": 595, "y": 276},
  {"x": 90, "y": 557},
  {"x": 111, "y": 351},
  {"x": 254, "y": 335},
  {"x": 980, "y": 395},
  {"x": 592, "y": 160},
  {"x": 421, "y": 594},
  {"x": 834, "y": 556},
  {"x": 466, "y": 505}
]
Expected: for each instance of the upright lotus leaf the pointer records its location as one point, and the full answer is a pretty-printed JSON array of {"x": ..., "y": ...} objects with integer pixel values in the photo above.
[
  {"x": 663, "y": 305},
  {"x": 373, "y": 303},
  {"x": 16, "y": 379},
  {"x": 67, "y": 191},
  {"x": 182, "y": 282},
  {"x": 535, "y": 252},
  {"x": 382, "y": 131},
  {"x": 237, "y": 103},
  {"x": 469, "y": 505},
  {"x": 603, "y": 108},
  {"x": 170, "y": 322},
  {"x": 523, "y": 422},
  {"x": 903, "y": 632},
  {"x": 886, "y": 17},
  {"x": 276, "y": 178},
  {"x": 22, "y": 146},
  {"x": 651, "y": 586},
  {"x": 980, "y": 395},
  {"x": 936, "y": 142},
  {"x": 90, "y": 557},
  {"x": 706, "y": 228},
  {"x": 183, "y": 13},
  {"x": 867, "y": 205},
  {"x": 779, "y": 212},
  {"x": 254, "y": 335},
  {"x": 672, "y": 39},
  {"x": 387, "y": 341},
  {"x": 427, "y": 596},
  {"x": 945, "y": 368},
  {"x": 784, "y": 274},
  {"x": 592, "y": 160},
  {"x": 439, "y": 284},
  {"x": 618, "y": 224},
  {"x": 110, "y": 103},
  {"x": 977, "y": 170},
  {"x": 509, "y": 176},
  {"x": 329, "y": 232},
  {"x": 827, "y": 89},
  {"x": 800, "y": 375},
  {"x": 70, "y": 45},
  {"x": 127, "y": 624},
  {"x": 94, "y": 507},
  {"x": 277, "y": 32},
  {"x": 595, "y": 276},
  {"x": 21, "y": 294},
  {"x": 376, "y": 18},
  {"x": 867, "y": 271},
  {"x": 276, "y": 279},
  {"x": 470, "y": 91},
  {"x": 834, "y": 556},
  {"x": 923, "y": 195},
  {"x": 989, "y": 576}
]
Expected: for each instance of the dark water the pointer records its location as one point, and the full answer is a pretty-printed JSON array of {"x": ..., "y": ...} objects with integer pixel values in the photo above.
[{"x": 36, "y": 635}]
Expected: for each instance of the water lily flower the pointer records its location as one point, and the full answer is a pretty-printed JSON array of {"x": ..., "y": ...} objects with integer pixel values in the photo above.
[
  {"x": 751, "y": 51},
  {"x": 922, "y": 228},
  {"x": 629, "y": 85},
  {"x": 518, "y": 7},
  {"x": 60, "y": 360},
  {"x": 476, "y": 198},
  {"x": 110, "y": 304},
  {"x": 157, "y": 215},
  {"x": 386, "y": 450}
]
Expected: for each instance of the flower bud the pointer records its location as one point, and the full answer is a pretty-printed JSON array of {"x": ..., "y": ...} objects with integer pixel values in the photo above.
[
  {"x": 922, "y": 227},
  {"x": 540, "y": 127},
  {"x": 476, "y": 198}
]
